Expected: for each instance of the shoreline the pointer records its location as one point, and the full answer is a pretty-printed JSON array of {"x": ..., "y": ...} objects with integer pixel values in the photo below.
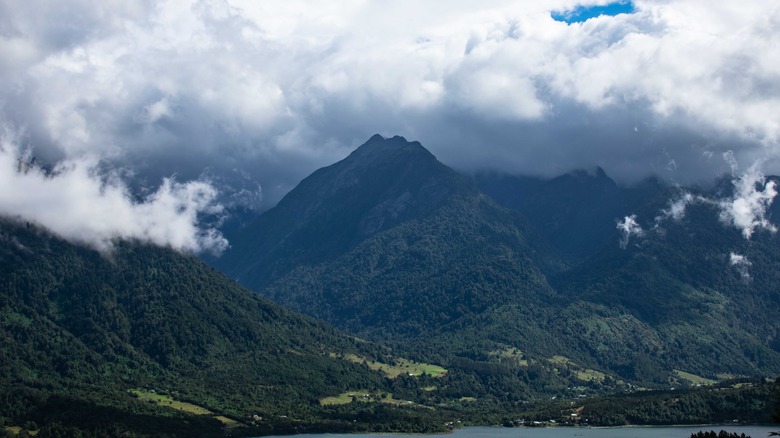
[{"x": 498, "y": 431}]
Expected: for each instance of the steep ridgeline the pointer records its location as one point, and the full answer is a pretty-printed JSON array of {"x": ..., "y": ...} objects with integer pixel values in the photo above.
[
  {"x": 575, "y": 213},
  {"x": 391, "y": 244},
  {"x": 79, "y": 330}
]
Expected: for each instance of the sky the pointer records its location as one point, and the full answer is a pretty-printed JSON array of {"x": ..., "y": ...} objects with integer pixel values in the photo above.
[
  {"x": 176, "y": 109},
  {"x": 583, "y": 13}
]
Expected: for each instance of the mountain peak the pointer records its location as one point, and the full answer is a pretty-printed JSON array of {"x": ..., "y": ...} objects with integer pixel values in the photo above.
[
  {"x": 378, "y": 138},
  {"x": 378, "y": 147},
  {"x": 382, "y": 183}
]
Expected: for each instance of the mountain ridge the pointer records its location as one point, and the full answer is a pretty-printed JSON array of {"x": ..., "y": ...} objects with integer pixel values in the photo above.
[{"x": 522, "y": 273}]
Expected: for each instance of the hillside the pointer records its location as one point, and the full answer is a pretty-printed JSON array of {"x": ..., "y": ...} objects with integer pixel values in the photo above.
[
  {"x": 538, "y": 296},
  {"x": 708, "y": 313},
  {"x": 80, "y": 330}
]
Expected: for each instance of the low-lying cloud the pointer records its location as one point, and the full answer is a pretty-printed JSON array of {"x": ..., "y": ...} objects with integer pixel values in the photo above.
[
  {"x": 79, "y": 203},
  {"x": 629, "y": 227},
  {"x": 747, "y": 208},
  {"x": 741, "y": 264},
  {"x": 676, "y": 209}
]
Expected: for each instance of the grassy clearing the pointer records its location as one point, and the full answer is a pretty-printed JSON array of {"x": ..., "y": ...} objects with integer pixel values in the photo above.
[
  {"x": 510, "y": 353},
  {"x": 229, "y": 422},
  {"x": 367, "y": 397},
  {"x": 727, "y": 376},
  {"x": 560, "y": 360},
  {"x": 16, "y": 430},
  {"x": 362, "y": 396},
  {"x": 345, "y": 398},
  {"x": 590, "y": 375},
  {"x": 584, "y": 374},
  {"x": 401, "y": 366},
  {"x": 693, "y": 378},
  {"x": 168, "y": 401}
]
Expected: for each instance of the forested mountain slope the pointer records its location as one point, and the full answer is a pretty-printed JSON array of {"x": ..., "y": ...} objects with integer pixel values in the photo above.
[
  {"x": 543, "y": 286},
  {"x": 79, "y": 329}
]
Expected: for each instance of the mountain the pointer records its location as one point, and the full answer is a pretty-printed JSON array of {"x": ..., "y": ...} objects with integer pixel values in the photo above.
[
  {"x": 388, "y": 228},
  {"x": 708, "y": 309},
  {"x": 91, "y": 340},
  {"x": 678, "y": 278},
  {"x": 337, "y": 207},
  {"x": 530, "y": 292},
  {"x": 575, "y": 213}
]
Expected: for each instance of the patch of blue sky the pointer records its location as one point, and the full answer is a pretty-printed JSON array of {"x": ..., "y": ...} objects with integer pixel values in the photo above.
[{"x": 583, "y": 13}]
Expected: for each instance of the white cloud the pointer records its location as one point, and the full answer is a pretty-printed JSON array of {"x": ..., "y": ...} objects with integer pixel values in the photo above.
[
  {"x": 283, "y": 88},
  {"x": 741, "y": 264},
  {"x": 676, "y": 208},
  {"x": 629, "y": 227},
  {"x": 747, "y": 207},
  {"x": 75, "y": 202}
]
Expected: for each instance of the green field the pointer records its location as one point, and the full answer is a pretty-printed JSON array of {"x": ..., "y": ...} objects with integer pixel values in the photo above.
[
  {"x": 560, "y": 360},
  {"x": 584, "y": 374},
  {"x": 590, "y": 375},
  {"x": 362, "y": 396},
  {"x": 346, "y": 398},
  {"x": 693, "y": 379},
  {"x": 401, "y": 366},
  {"x": 16, "y": 430},
  {"x": 166, "y": 400}
]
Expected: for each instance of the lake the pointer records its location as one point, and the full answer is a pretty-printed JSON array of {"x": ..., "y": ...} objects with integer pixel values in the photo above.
[{"x": 572, "y": 432}]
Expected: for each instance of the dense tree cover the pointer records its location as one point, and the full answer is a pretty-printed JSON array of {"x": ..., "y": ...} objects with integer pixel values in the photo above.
[
  {"x": 574, "y": 214},
  {"x": 704, "y": 313},
  {"x": 421, "y": 276},
  {"x": 747, "y": 403},
  {"x": 721, "y": 434},
  {"x": 80, "y": 328},
  {"x": 382, "y": 184}
]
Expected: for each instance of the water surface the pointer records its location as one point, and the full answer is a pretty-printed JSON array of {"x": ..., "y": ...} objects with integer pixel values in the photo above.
[{"x": 572, "y": 432}]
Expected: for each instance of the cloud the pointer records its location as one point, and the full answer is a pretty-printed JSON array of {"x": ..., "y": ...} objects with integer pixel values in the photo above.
[
  {"x": 629, "y": 227},
  {"x": 746, "y": 209},
  {"x": 78, "y": 203},
  {"x": 278, "y": 90},
  {"x": 676, "y": 209},
  {"x": 741, "y": 264}
]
